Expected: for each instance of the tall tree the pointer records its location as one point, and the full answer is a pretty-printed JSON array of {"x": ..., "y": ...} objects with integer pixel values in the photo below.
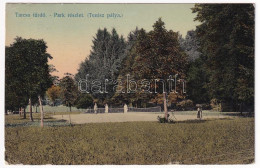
[
  {"x": 54, "y": 93},
  {"x": 15, "y": 90},
  {"x": 197, "y": 77},
  {"x": 157, "y": 55},
  {"x": 27, "y": 70},
  {"x": 163, "y": 49},
  {"x": 69, "y": 91},
  {"x": 104, "y": 61},
  {"x": 226, "y": 36},
  {"x": 197, "y": 80},
  {"x": 190, "y": 44},
  {"x": 127, "y": 70}
]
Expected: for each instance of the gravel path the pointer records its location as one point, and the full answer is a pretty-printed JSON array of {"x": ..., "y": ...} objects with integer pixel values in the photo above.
[{"x": 121, "y": 117}]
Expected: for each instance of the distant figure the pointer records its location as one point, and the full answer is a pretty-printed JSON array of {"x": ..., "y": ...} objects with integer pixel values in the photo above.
[
  {"x": 125, "y": 108},
  {"x": 199, "y": 114},
  {"x": 106, "y": 108},
  {"x": 95, "y": 108}
]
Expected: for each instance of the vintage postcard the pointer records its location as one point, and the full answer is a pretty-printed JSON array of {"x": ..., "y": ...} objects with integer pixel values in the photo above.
[{"x": 129, "y": 83}]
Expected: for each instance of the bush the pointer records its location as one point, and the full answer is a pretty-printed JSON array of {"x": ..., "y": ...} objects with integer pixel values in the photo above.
[
  {"x": 163, "y": 120},
  {"x": 185, "y": 105},
  {"x": 215, "y": 105},
  {"x": 84, "y": 101}
]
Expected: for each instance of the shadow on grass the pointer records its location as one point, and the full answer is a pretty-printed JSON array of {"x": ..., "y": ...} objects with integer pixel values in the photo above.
[
  {"x": 54, "y": 123},
  {"x": 191, "y": 121},
  {"x": 197, "y": 121},
  {"x": 48, "y": 118},
  {"x": 239, "y": 114}
]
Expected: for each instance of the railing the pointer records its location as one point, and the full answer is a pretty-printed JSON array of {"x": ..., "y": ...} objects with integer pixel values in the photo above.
[
  {"x": 121, "y": 110},
  {"x": 99, "y": 110},
  {"x": 150, "y": 109}
]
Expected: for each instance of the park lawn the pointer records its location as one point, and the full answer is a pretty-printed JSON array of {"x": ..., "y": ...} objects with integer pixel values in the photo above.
[
  {"x": 16, "y": 119},
  {"x": 49, "y": 121},
  {"x": 225, "y": 141}
]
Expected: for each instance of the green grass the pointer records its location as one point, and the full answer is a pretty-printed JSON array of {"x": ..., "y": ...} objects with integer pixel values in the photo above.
[
  {"x": 225, "y": 141},
  {"x": 17, "y": 121}
]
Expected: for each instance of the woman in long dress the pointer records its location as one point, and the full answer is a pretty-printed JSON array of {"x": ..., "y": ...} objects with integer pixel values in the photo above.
[{"x": 199, "y": 114}]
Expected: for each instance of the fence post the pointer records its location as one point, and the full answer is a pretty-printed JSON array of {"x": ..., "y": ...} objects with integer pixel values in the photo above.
[
  {"x": 95, "y": 108},
  {"x": 125, "y": 109},
  {"x": 106, "y": 108}
]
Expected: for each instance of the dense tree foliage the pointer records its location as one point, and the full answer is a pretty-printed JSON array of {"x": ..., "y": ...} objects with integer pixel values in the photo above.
[
  {"x": 27, "y": 73},
  {"x": 127, "y": 70},
  {"x": 84, "y": 101},
  {"x": 155, "y": 55},
  {"x": 197, "y": 74},
  {"x": 190, "y": 44},
  {"x": 53, "y": 93},
  {"x": 104, "y": 61},
  {"x": 197, "y": 80},
  {"x": 226, "y": 37},
  {"x": 216, "y": 60},
  {"x": 69, "y": 91}
]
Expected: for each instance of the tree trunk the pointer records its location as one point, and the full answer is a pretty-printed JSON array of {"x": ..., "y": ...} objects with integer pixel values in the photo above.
[
  {"x": 24, "y": 114},
  {"x": 70, "y": 108},
  {"x": 165, "y": 107},
  {"x": 30, "y": 103},
  {"x": 20, "y": 112},
  {"x": 41, "y": 109}
]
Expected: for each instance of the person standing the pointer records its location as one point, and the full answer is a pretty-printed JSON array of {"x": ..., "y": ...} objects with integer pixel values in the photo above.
[
  {"x": 106, "y": 108},
  {"x": 199, "y": 114},
  {"x": 125, "y": 108},
  {"x": 95, "y": 108}
]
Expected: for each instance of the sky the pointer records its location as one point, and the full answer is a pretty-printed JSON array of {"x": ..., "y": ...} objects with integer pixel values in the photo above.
[{"x": 69, "y": 39}]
